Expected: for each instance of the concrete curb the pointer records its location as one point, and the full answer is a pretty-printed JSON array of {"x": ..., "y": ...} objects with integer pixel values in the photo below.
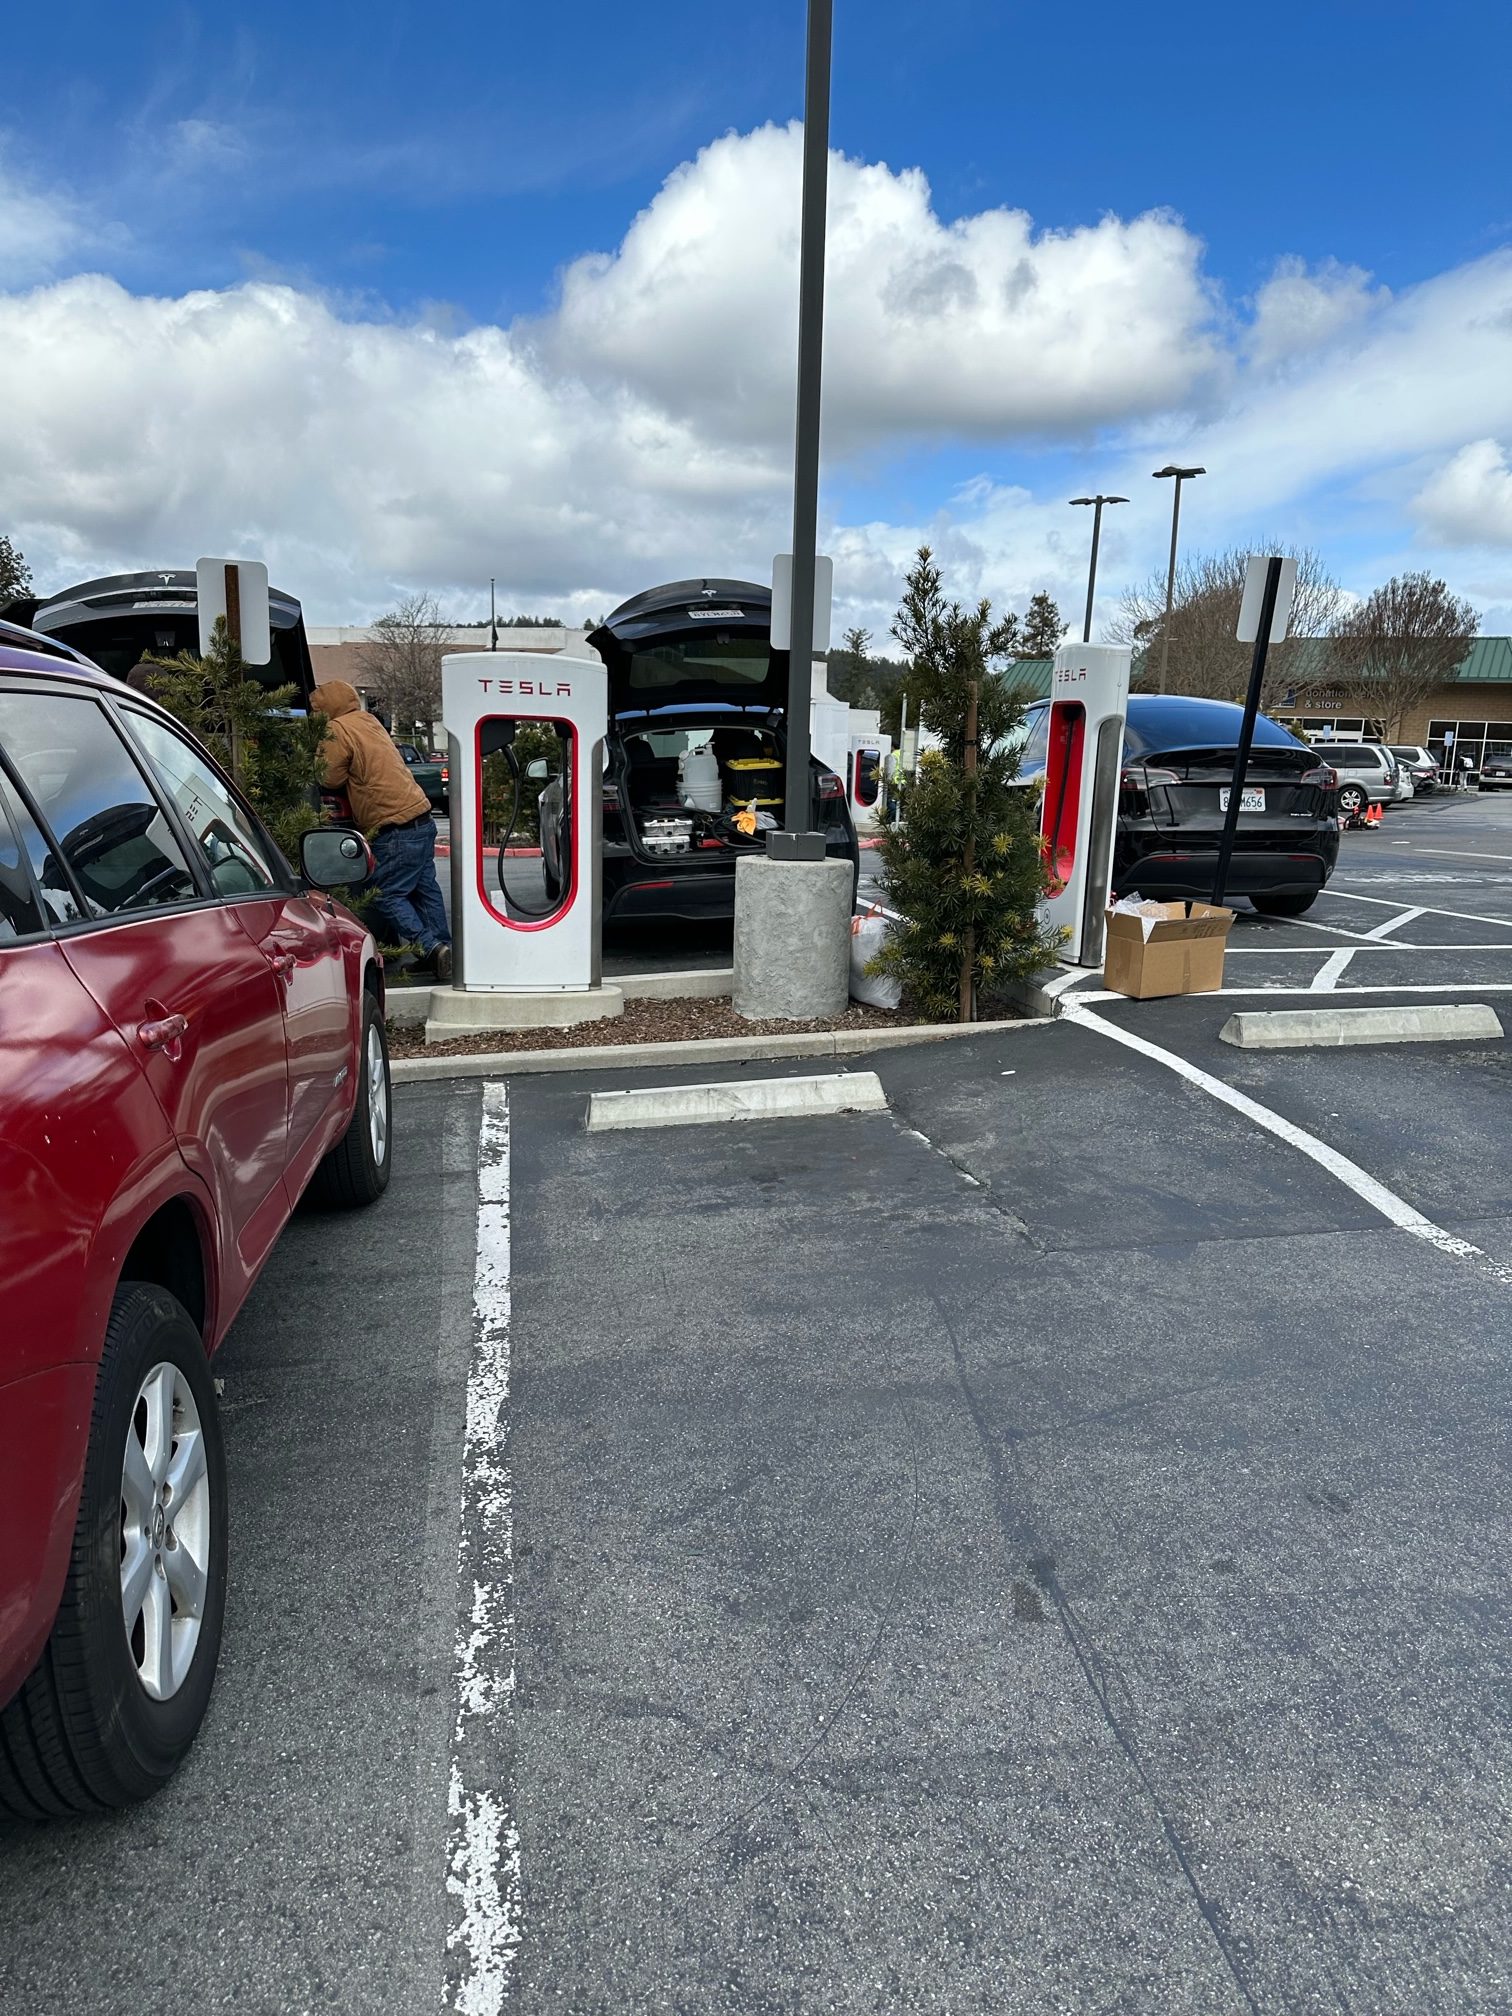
[
  {"x": 705, "y": 1050},
  {"x": 1331, "y": 1028},
  {"x": 1041, "y": 993},
  {"x": 408, "y": 1007},
  {"x": 753, "y": 1099}
]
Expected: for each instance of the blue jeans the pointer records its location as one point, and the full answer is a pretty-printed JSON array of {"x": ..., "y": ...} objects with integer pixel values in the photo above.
[{"x": 407, "y": 895}]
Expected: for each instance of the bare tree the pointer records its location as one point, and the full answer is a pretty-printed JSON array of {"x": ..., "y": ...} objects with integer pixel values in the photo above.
[
  {"x": 1399, "y": 646},
  {"x": 1206, "y": 659},
  {"x": 401, "y": 665}
]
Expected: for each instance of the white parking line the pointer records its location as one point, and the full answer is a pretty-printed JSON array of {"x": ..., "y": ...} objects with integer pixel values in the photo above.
[
  {"x": 1394, "y": 923},
  {"x": 1323, "y": 980},
  {"x": 1428, "y": 909},
  {"x": 483, "y": 1844},
  {"x": 1332, "y": 930},
  {"x": 1394, "y": 1209},
  {"x": 1457, "y": 853},
  {"x": 1283, "y": 987}
]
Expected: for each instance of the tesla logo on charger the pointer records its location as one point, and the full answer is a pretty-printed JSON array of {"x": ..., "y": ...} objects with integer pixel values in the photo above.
[
  {"x": 529, "y": 689},
  {"x": 1066, "y": 676}
]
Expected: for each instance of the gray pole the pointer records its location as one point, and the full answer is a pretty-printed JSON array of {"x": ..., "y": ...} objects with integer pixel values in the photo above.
[
  {"x": 493, "y": 618},
  {"x": 1097, "y": 503},
  {"x": 1092, "y": 570},
  {"x": 1165, "y": 628},
  {"x": 798, "y": 809},
  {"x": 1181, "y": 476},
  {"x": 1247, "y": 729}
]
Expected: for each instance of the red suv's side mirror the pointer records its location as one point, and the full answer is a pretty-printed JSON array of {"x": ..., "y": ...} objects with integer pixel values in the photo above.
[{"x": 334, "y": 857}]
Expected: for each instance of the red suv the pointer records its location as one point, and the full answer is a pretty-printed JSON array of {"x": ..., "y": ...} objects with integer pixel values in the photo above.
[{"x": 191, "y": 1036}]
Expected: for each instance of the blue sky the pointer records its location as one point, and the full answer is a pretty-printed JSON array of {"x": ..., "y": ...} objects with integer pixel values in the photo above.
[{"x": 392, "y": 385}]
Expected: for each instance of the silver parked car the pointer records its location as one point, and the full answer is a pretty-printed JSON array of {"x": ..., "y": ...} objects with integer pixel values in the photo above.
[{"x": 1368, "y": 774}]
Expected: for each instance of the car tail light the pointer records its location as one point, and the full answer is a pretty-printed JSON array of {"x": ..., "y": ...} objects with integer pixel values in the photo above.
[
  {"x": 1135, "y": 784},
  {"x": 611, "y": 798},
  {"x": 831, "y": 786},
  {"x": 1323, "y": 776},
  {"x": 445, "y": 774}
]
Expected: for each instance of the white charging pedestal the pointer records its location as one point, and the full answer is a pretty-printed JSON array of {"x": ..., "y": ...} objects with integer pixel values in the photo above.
[
  {"x": 514, "y": 969},
  {"x": 1089, "y": 697}
]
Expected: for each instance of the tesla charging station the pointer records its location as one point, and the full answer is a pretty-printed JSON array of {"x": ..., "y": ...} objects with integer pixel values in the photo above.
[
  {"x": 1089, "y": 696},
  {"x": 500, "y": 943}
]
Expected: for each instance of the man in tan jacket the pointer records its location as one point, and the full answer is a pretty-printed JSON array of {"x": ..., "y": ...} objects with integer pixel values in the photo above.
[{"x": 360, "y": 759}]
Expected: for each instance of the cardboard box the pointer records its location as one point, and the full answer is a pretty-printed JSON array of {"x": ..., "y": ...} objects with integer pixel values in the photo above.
[{"x": 1182, "y": 953}]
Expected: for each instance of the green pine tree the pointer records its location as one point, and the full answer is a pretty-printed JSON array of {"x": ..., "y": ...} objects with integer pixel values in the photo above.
[
  {"x": 271, "y": 752},
  {"x": 1042, "y": 628},
  {"x": 15, "y": 575},
  {"x": 961, "y": 855}
]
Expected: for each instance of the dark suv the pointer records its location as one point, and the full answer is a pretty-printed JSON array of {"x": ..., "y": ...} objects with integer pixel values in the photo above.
[{"x": 692, "y": 672}]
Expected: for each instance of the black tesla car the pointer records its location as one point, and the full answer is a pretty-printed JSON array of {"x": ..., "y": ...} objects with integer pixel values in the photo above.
[
  {"x": 694, "y": 688},
  {"x": 1178, "y": 759}
]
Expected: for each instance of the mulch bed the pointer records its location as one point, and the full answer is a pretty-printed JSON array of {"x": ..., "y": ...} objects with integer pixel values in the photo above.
[{"x": 684, "y": 1019}]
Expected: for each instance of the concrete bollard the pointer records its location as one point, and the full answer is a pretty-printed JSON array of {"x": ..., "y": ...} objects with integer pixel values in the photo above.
[{"x": 792, "y": 938}]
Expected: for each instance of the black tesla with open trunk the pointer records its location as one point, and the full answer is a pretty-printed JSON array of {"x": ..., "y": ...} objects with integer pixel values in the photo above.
[{"x": 696, "y": 753}]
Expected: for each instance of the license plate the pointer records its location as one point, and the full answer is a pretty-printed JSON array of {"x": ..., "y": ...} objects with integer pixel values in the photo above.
[{"x": 1251, "y": 799}]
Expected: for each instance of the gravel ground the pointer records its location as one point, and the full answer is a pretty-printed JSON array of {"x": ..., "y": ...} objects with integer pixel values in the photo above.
[{"x": 676, "y": 1021}]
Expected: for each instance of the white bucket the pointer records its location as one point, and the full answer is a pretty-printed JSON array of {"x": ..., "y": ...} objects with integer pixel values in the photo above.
[{"x": 698, "y": 779}]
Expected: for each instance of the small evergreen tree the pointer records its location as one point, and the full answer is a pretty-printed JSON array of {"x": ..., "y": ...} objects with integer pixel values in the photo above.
[
  {"x": 272, "y": 753},
  {"x": 1042, "y": 628},
  {"x": 961, "y": 855}
]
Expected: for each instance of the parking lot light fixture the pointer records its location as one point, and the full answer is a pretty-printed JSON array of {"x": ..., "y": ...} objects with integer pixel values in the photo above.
[
  {"x": 1098, "y": 503},
  {"x": 1182, "y": 476}
]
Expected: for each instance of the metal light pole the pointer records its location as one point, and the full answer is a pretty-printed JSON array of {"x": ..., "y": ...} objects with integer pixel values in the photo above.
[
  {"x": 1099, "y": 501},
  {"x": 1182, "y": 476},
  {"x": 493, "y": 618},
  {"x": 794, "y": 841}
]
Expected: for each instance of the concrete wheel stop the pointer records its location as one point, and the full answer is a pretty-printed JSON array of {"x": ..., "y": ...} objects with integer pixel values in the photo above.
[
  {"x": 457, "y": 1011},
  {"x": 1332, "y": 1028}
]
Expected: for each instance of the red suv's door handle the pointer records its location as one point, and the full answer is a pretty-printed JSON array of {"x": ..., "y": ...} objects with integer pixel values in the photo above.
[
  {"x": 283, "y": 964},
  {"x": 165, "y": 1034}
]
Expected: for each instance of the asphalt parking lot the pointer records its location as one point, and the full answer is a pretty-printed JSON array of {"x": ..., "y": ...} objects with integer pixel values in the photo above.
[{"x": 1043, "y": 1548}]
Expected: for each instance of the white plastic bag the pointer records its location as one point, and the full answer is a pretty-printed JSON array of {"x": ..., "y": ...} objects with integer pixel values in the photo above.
[{"x": 868, "y": 935}]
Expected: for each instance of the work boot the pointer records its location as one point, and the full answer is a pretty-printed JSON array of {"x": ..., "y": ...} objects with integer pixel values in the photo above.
[{"x": 444, "y": 964}]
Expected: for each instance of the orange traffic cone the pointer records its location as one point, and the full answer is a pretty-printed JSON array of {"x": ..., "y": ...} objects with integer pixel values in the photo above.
[{"x": 1374, "y": 815}]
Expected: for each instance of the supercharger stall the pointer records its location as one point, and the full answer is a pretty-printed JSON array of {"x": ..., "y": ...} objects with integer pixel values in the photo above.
[
  {"x": 866, "y": 777},
  {"x": 1089, "y": 698},
  {"x": 500, "y": 945}
]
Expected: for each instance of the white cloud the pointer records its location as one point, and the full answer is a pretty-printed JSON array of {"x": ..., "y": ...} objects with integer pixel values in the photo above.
[
  {"x": 974, "y": 328},
  {"x": 38, "y": 229},
  {"x": 353, "y": 455},
  {"x": 642, "y": 430},
  {"x": 1469, "y": 501},
  {"x": 1297, "y": 312}
]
